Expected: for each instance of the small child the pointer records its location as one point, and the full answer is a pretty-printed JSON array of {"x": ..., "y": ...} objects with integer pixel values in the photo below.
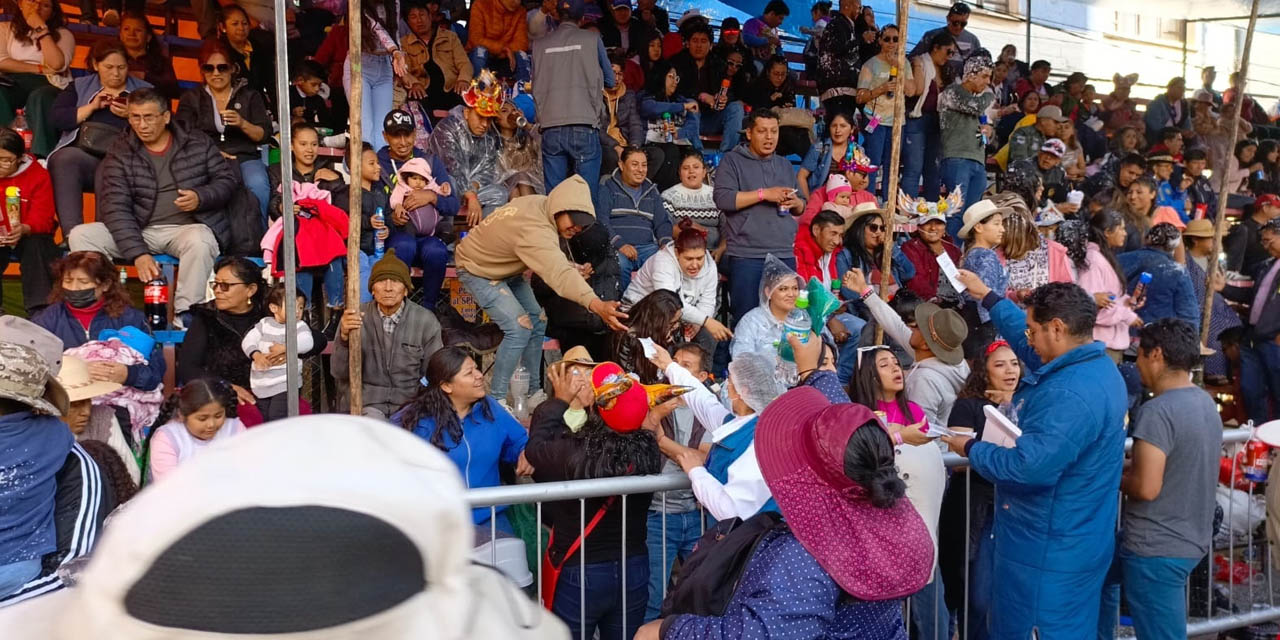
[
  {"x": 415, "y": 175},
  {"x": 373, "y": 196},
  {"x": 266, "y": 340},
  {"x": 205, "y": 414},
  {"x": 1167, "y": 193},
  {"x": 309, "y": 101}
]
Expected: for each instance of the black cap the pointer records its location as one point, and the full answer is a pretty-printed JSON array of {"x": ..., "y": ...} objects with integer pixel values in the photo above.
[
  {"x": 398, "y": 121},
  {"x": 731, "y": 23}
]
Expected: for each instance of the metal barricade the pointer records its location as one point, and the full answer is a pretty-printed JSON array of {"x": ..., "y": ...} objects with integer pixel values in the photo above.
[{"x": 1248, "y": 592}]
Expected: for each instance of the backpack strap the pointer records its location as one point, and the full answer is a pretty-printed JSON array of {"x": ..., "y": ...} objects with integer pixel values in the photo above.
[{"x": 595, "y": 520}]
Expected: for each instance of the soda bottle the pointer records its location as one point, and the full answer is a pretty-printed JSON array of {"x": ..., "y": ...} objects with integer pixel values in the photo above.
[
  {"x": 379, "y": 235},
  {"x": 797, "y": 323},
  {"x": 1140, "y": 289},
  {"x": 12, "y": 208},
  {"x": 668, "y": 131},
  {"x": 155, "y": 303},
  {"x": 20, "y": 125},
  {"x": 124, "y": 278}
]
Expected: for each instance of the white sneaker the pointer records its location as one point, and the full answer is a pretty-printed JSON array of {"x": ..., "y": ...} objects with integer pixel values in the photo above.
[{"x": 537, "y": 398}]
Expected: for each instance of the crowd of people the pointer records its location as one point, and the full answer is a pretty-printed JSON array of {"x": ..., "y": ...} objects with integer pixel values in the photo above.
[{"x": 734, "y": 291}]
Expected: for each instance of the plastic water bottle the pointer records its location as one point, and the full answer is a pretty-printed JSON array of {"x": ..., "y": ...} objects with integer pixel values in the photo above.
[
  {"x": 982, "y": 121},
  {"x": 20, "y": 125},
  {"x": 379, "y": 241},
  {"x": 519, "y": 392},
  {"x": 124, "y": 278},
  {"x": 798, "y": 324}
]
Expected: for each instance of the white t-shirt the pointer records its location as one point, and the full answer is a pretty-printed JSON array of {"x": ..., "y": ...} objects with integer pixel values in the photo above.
[{"x": 29, "y": 52}]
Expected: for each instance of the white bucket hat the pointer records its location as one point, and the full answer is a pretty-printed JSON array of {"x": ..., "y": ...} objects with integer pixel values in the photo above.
[
  {"x": 322, "y": 527},
  {"x": 977, "y": 212}
]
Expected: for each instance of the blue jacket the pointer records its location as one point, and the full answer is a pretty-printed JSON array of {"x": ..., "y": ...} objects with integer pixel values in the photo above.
[
  {"x": 1170, "y": 294},
  {"x": 59, "y": 321},
  {"x": 728, "y": 450},
  {"x": 32, "y": 450},
  {"x": 1170, "y": 196},
  {"x": 900, "y": 267},
  {"x": 630, "y": 220},
  {"x": 485, "y": 444},
  {"x": 1056, "y": 504},
  {"x": 784, "y": 593}
]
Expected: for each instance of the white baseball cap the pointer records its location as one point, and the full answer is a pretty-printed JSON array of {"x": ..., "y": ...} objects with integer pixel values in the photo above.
[{"x": 320, "y": 527}]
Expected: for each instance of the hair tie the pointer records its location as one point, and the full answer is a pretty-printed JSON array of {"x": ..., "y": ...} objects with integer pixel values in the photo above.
[{"x": 996, "y": 345}]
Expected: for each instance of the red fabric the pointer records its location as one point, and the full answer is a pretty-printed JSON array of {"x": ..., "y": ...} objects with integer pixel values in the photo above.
[
  {"x": 672, "y": 44},
  {"x": 321, "y": 238},
  {"x": 85, "y": 316},
  {"x": 633, "y": 76},
  {"x": 37, "y": 196},
  {"x": 808, "y": 253},
  {"x": 925, "y": 283},
  {"x": 1059, "y": 261},
  {"x": 333, "y": 51}
]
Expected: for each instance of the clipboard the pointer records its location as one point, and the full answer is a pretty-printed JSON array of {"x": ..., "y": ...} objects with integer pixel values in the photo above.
[{"x": 999, "y": 430}]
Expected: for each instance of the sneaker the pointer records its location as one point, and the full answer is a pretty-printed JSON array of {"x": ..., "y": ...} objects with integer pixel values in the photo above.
[
  {"x": 536, "y": 398},
  {"x": 503, "y": 403}
]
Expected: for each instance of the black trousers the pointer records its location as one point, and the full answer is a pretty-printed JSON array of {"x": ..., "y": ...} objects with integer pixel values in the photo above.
[{"x": 35, "y": 254}]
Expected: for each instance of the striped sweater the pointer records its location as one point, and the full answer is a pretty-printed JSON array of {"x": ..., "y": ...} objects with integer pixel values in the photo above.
[
  {"x": 697, "y": 205},
  {"x": 271, "y": 381}
]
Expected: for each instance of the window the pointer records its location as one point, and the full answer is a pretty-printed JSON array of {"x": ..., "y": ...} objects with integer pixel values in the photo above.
[
  {"x": 1127, "y": 25},
  {"x": 1001, "y": 6},
  {"x": 1171, "y": 29},
  {"x": 1149, "y": 28}
]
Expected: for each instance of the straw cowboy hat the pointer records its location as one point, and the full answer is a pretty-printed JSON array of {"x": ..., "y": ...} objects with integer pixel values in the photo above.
[
  {"x": 74, "y": 377},
  {"x": 977, "y": 212}
]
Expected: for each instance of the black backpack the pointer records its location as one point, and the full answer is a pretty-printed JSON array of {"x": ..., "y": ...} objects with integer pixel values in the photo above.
[{"x": 711, "y": 573}]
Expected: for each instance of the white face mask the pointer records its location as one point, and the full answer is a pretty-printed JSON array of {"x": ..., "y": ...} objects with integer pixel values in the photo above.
[
  {"x": 575, "y": 418},
  {"x": 723, "y": 394}
]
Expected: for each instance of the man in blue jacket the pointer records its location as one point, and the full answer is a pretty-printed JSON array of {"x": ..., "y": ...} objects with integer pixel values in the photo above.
[
  {"x": 1056, "y": 498},
  {"x": 632, "y": 210}
]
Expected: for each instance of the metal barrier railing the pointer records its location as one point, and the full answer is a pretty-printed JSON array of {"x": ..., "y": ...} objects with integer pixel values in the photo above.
[{"x": 1260, "y": 607}]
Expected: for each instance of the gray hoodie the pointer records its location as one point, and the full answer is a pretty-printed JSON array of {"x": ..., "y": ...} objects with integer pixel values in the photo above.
[
  {"x": 933, "y": 384},
  {"x": 757, "y": 230}
]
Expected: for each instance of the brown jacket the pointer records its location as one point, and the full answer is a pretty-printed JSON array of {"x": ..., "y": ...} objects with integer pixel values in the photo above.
[
  {"x": 495, "y": 28},
  {"x": 447, "y": 52},
  {"x": 522, "y": 235}
]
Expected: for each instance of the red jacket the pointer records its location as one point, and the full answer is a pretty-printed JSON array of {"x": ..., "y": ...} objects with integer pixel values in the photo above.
[
  {"x": 320, "y": 237},
  {"x": 36, "y": 190},
  {"x": 925, "y": 284},
  {"x": 808, "y": 255}
]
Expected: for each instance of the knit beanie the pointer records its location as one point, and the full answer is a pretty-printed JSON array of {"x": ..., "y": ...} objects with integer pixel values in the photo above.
[
  {"x": 836, "y": 185},
  {"x": 390, "y": 268}
]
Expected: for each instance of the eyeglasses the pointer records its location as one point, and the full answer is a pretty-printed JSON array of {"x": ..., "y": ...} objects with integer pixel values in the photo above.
[
  {"x": 149, "y": 118},
  {"x": 958, "y": 23},
  {"x": 8, "y": 162},
  {"x": 225, "y": 286},
  {"x": 735, "y": 64},
  {"x": 889, "y": 39},
  {"x": 675, "y": 77},
  {"x": 220, "y": 68}
]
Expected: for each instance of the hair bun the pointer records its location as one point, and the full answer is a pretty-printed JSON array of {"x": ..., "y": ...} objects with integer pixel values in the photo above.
[{"x": 886, "y": 487}]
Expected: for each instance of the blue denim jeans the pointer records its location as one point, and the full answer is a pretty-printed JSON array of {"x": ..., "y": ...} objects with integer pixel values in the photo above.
[
  {"x": 744, "y": 283},
  {"x": 254, "y": 174},
  {"x": 506, "y": 301},
  {"x": 568, "y": 150},
  {"x": 727, "y": 123},
  {"x": 929, "y": 615},
  {"x": 971, "y": 177},
  {"x": 608, "y": 599},
  {"x": 1154, "y": 588},
  {"x": 1260, "y": 380},
  {"x": 16, "y": 574},
  {"x": 334, "y": 282},
  {"x": 878, "y": 144},
  {"x": 428, "y": 253},
  {"x": 921, "y": 143},
  {"x": 480, "y": 59},
  {"x": 847, "y": 358},
  {"x": 643, "y": 253},
  {"x": 366, "y": 267},
  {"x": 683, "y": 531},
  {"x": 376, "y": 93}
]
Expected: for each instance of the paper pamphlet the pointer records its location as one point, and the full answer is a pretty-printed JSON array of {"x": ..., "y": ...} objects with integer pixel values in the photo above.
[
  {"x": 949, "y": 269},
  {"x": 999, "y": 430},
  {"x": 938, "y": 431},
  {"x": 649, "y": 349}
]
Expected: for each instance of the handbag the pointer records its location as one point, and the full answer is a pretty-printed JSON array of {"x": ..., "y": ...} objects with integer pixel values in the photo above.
[
  {"x": 551, "y": 571},
  {"x": 96, "y": 137}
]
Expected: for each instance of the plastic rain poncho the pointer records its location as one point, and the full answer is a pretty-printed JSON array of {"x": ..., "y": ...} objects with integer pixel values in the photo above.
[{"x": 472, "y": 160}]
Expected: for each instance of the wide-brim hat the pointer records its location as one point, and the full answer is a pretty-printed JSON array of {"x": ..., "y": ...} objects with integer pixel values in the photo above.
[
  {"x": 578, "y": 355},
  {"x": 977, "y": 212},
  {"x": 943, "y": 330},
  {"x": 75, "y": 379},
  {"x": 1199, "y": 228},
  {"x": 872, "y": 553},
  {"x": 866, "y": 209},
  {"x": 255, "y": 537},
  {"x": 32, "y": 357}
]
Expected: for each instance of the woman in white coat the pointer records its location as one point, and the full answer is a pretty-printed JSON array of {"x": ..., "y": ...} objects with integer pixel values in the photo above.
[{"x": 685, "y": 266}]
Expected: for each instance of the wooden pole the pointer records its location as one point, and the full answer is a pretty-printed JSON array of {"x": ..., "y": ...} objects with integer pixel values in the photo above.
[
  {"x": 1220, "y": 220},
  {"x": 292, "y": 383},
  {"x": 356, "y": 203},
  {"x": 895, "y": 155}
]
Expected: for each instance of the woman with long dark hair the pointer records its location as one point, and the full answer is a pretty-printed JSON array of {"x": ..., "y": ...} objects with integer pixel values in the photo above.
[
  {"x": 864, "y": 245},
  {"x": 1092, "y": 250},
  {"x": 86, "y": 300},
  {"x": 30, "y": 241},
  {"x": 672, "y": 120},
  {"x": 686, "y": 267},
  {"x": 35, "y": 56},
  {"x": 455, "y": 413},
  {"x": 91, "y": 106},
  {"x": 252, "y": 51},
  {"x": 148, "y": 59},
  {"x": 657, "y": 317},
  {"x": 233, "y": 114}
]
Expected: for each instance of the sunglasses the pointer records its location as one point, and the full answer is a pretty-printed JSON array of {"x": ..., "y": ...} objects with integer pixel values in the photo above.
[
  {"x": 959, "y": 23},
  {"x": 875, "y": 228},
  {"x": 220, "y": 68},
  {"x": 225, "y": 286},
  {"x": 889, "y": 39}
]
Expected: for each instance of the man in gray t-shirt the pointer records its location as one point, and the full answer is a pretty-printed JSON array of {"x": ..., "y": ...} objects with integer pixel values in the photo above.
[{"x": 1167, "y": 521}]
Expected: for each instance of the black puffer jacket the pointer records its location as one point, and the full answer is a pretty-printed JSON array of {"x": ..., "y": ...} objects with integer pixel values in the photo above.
[
  {"x": 565, "y": 318},
  {"x": 196, "y": 110},
  {"x": 126, "y": 186}
]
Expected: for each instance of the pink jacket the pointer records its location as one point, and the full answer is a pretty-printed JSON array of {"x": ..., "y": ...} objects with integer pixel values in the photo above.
[{"x": 1112, "y": 326}]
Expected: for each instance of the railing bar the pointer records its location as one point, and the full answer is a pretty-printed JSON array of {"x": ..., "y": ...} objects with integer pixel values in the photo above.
[
  {"x": 1231, "y": 541},
  {"x": 624, "y": 567},
  {"x": 968, "y": 539},
  {"x": 537, "y": 541},
  {"x": 582, "y": 570},
  {"x": 664, "y": 545},
  {"x": 493, "y": 535}
]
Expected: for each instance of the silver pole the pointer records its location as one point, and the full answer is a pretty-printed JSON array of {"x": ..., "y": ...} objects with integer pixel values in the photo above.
[
  {"x": 1028, "y": 52},
  {"x": 293, "y": 368}
]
